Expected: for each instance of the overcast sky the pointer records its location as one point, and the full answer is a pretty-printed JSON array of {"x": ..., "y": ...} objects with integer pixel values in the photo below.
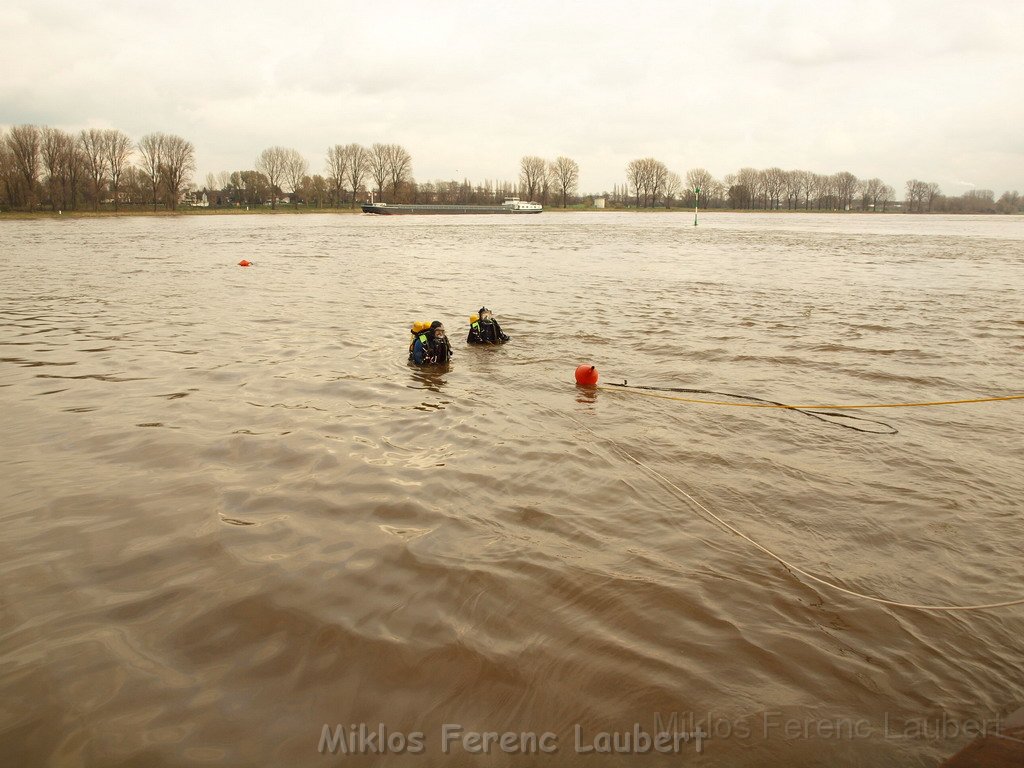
[{"x": 933, "y": 90}]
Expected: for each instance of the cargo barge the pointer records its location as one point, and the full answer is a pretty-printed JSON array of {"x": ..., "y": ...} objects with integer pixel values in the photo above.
[{"x": 511, "y": 205}]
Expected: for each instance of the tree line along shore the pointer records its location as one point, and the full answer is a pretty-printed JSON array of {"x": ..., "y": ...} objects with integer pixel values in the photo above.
[{"x": 98, "y": 171}]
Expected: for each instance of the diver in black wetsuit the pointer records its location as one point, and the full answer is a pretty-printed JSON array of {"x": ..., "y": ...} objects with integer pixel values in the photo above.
[
  {"x": 484, "y": 329},
  {"x": 431, "y": 346}
]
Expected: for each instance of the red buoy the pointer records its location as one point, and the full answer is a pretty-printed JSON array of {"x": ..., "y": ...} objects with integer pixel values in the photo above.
[
  {"x": 244, "y": 263},
  {"x": 586, "y": 375}
]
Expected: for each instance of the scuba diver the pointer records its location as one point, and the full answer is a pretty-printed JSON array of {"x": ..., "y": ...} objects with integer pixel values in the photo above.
[
  {"x": 430, "y": 345},
  {"x": 484, "y": 329}
]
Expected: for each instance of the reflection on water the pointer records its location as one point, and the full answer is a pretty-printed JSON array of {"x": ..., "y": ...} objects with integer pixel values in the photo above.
[
  {"x": 430, "y": 377},
  {"x": 586, "y": 395},
  {"x": 233, "y": 514}
]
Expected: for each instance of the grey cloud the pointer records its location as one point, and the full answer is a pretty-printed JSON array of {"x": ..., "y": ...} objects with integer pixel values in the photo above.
[{"x": 875, "y": 87}]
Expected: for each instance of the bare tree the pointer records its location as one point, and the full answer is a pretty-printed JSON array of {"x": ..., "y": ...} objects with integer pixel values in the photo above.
[
  {"x": 759, "y": 184},
  {"x": 1009, "y": 202},
  {"x": 636, "y": 178},
  {"x": 52, "y": 159},
  {"x": 566, "y": 173},
  {"x": 821, "y": 190},
  {"x": 831, "y": 189},
  {"x": 914, "y": 193},
  {"x": 971, "y": 201},
  {"x": 378, "y": 166},
  {"x": 818, "y": 189},
  {"x": 179, "y": 161},
  {"x": 657, "y": 173},
  {"x": 647, "y": 176},
  {"x": 316, "y": 188},
  {"x": 809, "y": 183},
  {"x": 399, "y": 167},
  {"x": 545, "y": 185},
  {"x": 346, "y": 164},
  {"x": 864, "y": 193},
  {"x": 917, "y": 190},
  {"x": 76, "y": 173},
  {"x": 673, "y": 185},
  {"x": 250, "y": 187},
  {"x": 7, "y": 173},
  {"x": 271, "y": 163},
  {"x": 699, "y": 178},
  {"x": 358, "y": 165},
  {"x": 749, "y": 181},
  {"x": 337, "y": 170},
  {"x": 26, "y": 149},
  {"x": 532, "y": 175},
  {"x": 736, "y": 193},
  {"x": 24, "y": 145},
  {"x": 295, "y": 170},
  {"x": 885, "y": 196},
  {"x": 151, "y": 148},
  {"x": 846, "y": 189},
  {"x": 930, "y": 192},
  {"x": 910, "y": 194},
  {"x": 869, "y": 190},
  {"x": 57, "y": 150},
  {"x": 716, "y": 196},
  {"x": 117, "y": 151},
  {"x": 135, "y": 183},
  {"x": 92, "y": 144},
  {"x": 806, "y": 182},
  {"x": 794, "y": 188},
  {"x": 774, "y": 187}
]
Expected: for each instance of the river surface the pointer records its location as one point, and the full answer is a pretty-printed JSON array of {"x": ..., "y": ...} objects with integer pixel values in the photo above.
[{"x": 232, "y": 513}]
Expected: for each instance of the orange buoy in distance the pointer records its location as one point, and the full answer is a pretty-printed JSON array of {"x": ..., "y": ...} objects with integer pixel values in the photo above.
[
  {"x": 586, "y": 375},
  {"x": 244, "y": 263}
]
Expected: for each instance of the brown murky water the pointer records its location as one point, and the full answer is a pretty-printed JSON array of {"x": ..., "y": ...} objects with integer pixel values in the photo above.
[{"x": 232, "y": 513}]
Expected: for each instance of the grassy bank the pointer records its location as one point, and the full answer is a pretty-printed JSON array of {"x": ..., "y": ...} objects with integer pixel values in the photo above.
[{"x": 101, "y": 214}]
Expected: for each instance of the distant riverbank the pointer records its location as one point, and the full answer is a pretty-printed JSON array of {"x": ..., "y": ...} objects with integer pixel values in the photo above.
[
  {"x": 303, "y": 210},
  {"x": 12, "y": 215}
]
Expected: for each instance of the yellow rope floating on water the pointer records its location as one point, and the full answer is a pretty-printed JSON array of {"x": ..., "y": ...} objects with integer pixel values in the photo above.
[{"x": 636, "y": 391}]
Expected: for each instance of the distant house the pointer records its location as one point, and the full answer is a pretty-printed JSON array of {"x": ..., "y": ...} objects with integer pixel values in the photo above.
[
  {"x": 196, "y": 201},
  {"x": 599, "y": 202},
  {"x": 123, "y": 196}
]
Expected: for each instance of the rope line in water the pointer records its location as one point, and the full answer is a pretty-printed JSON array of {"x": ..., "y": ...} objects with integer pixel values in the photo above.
[
  {"x": 769, "y": 404},
  {"x": 786, "y": 563},
  {"x": 887, "y": 429}
]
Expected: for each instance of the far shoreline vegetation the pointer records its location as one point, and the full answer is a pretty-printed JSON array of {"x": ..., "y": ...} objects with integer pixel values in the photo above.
[
  {"x": 49, "y": 172},
  {"x": 303, "y": 210}
]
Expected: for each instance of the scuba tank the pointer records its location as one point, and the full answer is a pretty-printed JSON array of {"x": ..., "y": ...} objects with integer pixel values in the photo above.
[
  {"x": 419, "y": 333},
  {"x": 474, "y": 330}
]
